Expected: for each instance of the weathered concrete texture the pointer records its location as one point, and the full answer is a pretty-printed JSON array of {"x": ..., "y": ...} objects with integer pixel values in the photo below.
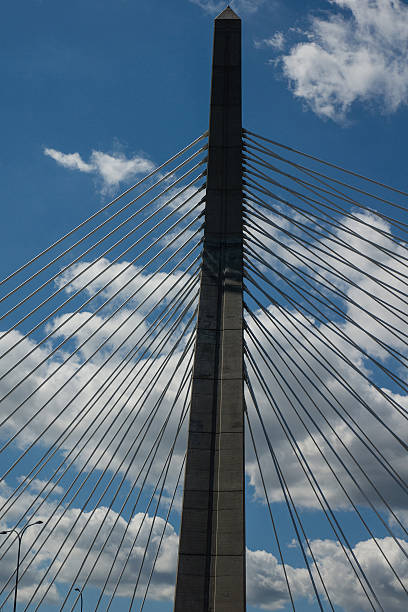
[{"x": 211, "y": 572}]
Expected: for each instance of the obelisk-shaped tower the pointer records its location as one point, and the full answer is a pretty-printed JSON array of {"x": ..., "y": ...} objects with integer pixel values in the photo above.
[{"x": 211, "y": 570}]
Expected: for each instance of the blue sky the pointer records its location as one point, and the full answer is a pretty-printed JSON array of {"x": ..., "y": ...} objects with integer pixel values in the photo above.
[
  {"x": 96, "y": 93},
  {"x": 134, "y": 77}
]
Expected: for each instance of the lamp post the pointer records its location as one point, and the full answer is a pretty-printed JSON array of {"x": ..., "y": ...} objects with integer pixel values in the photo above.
[
  {"x": 80, "y": 594},
  {"x": 19, "y": 535}
]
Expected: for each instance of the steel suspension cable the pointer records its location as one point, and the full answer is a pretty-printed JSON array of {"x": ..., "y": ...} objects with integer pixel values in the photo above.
[
  {"x": 186, "y": 350},
  {"x": 328, "y": 219},
  {"x": 275, "y": 373},
  {"x": 186, "y": 378},
  {"x": 251, "y": 213},
  {"x": 341, "y": 333},
  {"x": 310, "y": 247},
  {"x": 60, "y": 519},
  {"x": 273, "y": 404},
  {"x": 91, "y": 404},
  {"x": 100, "y": 273},
  {"x": 339, "y": 378},
  {"x": 148, "y": 422},
  {"x": 268, "y": 503},
  {"x": 104, "y": 208},
  {"x": 166, "y": 522},
  {"x": 330, "y": 304},
  {"x": 329, "y": 252},
  {"x": 122, "y": 224},
  {"x": 139, "y": 272},
  {"x": 344, "y": 336},
  {"x": 287, "y": 497},
  {"x": 134, "y": 418},
  {"x": 328, "y": 236},
  {"x": 89, "y": 337},
  {"x": 156, "y": 353},
  {"x": 332, "y": 372},
  {"x": 182, "y": 419},
  {"x": 115, "y": 294},
  {"x": 338, "y": 332},
  {"x": 130, "y": 353},
  {"x": 355, "y": 174},
  {"x": 318, "y": 177},
  {"x": 316, "y": 260},
  {"x": 299, "y": 307},
  {"x": 329, "y": 204}
]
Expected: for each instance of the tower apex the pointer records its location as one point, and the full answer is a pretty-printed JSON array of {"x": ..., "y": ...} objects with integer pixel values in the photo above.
[{"x": 228, "y": 13}]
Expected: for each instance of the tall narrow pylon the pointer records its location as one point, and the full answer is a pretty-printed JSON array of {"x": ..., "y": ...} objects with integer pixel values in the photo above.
[{"x": 211, "y": 568}]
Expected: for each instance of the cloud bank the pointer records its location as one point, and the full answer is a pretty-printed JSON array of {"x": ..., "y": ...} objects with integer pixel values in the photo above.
[
  {"x": 354, "y": 54},
  {"x": 266, "y": 586},
  {"x": 292, "y": 353}
]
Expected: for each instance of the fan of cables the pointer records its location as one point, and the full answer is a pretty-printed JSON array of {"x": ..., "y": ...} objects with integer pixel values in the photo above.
[
  {"x": 96, "y": 348},
  {"x": 326, "y": 329}
]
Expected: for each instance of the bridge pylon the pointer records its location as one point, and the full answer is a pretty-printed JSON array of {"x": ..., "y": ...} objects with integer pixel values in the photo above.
[{"x": 211, "y": 567}]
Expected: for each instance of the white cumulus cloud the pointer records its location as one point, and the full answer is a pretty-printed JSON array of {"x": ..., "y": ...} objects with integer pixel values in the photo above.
[
  {"x": 276, "y": 41},
  {"x": 99, "y": 545},
  {"x": 73, "y": 161},
  {"x": 267, "y": 588},
  {"x": 110, "y": 169},
  {"x": 355, "y": 54}
]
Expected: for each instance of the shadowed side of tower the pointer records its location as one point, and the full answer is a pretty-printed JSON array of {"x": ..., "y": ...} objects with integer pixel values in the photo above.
[{"x": 211, "y": 570}]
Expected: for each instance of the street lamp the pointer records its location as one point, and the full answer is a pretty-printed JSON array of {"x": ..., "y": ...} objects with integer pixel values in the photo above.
[
  {"x": 19, "y": 535},
  {"x": 80, "y": 593}
]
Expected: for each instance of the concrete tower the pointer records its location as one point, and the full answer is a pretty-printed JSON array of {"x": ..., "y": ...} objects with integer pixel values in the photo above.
[{"x": 211, "y": 569}]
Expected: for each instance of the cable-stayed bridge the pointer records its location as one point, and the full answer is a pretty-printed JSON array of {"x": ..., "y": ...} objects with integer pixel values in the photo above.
[{"x": 243, "y": 294}]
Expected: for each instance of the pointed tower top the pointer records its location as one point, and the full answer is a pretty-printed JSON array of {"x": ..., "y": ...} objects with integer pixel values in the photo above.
[{"x": 227, "y": 13}]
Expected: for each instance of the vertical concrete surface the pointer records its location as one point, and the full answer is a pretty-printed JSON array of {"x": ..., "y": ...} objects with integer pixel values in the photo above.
[{"x": 211, "y": 569}]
